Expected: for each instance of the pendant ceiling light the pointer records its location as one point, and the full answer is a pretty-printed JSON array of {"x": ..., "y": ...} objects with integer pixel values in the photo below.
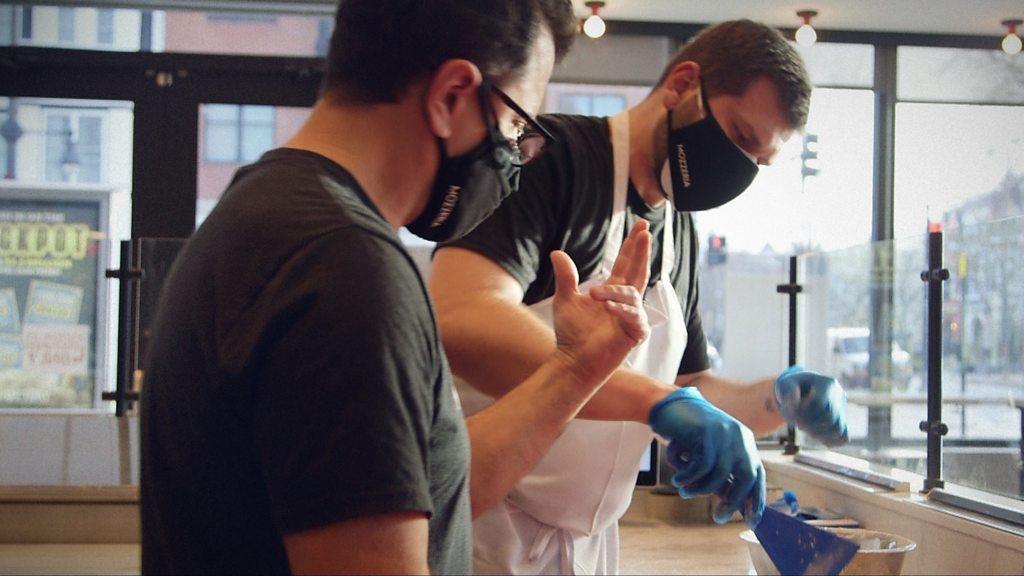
[
  {"x": 1011, "y": 42},
  {"x": 805, "y": 35},
  {"x": 594, "y": 25}
]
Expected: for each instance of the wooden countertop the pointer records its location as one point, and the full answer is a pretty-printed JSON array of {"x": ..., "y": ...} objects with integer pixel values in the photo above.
[
  {"x": 30, "y": 559},
  {"x": 659, "y": 535},
  {"x": 648, "y": 547},
  {"x": 651, "y": 546}
]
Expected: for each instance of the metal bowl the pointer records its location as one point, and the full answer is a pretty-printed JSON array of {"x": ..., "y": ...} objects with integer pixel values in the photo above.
[{"x": 880, "y": 553}]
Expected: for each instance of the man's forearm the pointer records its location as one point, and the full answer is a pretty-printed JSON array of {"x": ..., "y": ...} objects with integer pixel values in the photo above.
[
  {"x": 752, "y": 403},
  {"x": 510, "y": 437},
  {"x": 495, "y": 354}
]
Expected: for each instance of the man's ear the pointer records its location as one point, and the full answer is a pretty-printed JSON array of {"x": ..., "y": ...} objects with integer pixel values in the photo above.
[
  {"x": 451, "y": 94},
  {"x": 683, "y": 78}
]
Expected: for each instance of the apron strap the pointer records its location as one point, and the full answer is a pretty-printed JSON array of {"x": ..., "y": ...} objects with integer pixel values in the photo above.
[
  {"x": 618, "y": 126},
  {"x": 668, "y": 244}
]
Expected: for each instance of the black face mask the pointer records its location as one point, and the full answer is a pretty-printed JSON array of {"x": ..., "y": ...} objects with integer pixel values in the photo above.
[
  {"x": 468, "y": 187},
  {"x": 704, "y": 168}
]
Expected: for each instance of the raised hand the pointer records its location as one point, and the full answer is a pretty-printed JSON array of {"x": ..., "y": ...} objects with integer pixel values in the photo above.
[{"x": 596, "y": 331}]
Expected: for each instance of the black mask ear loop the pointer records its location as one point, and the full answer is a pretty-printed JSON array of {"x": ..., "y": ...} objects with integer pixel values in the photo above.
[{"x": 705, "y": 109}]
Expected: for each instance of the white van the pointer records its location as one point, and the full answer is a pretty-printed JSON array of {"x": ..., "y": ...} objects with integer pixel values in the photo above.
[{"x": 849, "y": 350}]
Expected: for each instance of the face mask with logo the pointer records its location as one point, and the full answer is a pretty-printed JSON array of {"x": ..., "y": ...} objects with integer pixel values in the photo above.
[
  {"x": 704, "y": 168},
  {"x": 470, "y": 186}
]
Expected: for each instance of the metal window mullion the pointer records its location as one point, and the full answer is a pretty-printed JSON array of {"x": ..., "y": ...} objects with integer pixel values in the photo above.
[
  {"x": 240, "y": 130},
  {"x": 882, "y": 253}
]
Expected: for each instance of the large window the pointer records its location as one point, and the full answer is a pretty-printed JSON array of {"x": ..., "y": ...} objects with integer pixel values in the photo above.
[
  {"x": 959, "y": 165},
  {"x": 790, "y": 208}
]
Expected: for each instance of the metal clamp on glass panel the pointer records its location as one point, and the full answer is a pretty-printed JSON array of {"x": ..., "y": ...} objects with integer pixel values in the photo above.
[
  {"x": 128, "y": 275},
  {"x": 933, "y": 426},
  {"x": 792, "y": 289}
]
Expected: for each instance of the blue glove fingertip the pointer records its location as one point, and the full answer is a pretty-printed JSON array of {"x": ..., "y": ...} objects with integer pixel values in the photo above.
[{"x": 722, "y": 513}]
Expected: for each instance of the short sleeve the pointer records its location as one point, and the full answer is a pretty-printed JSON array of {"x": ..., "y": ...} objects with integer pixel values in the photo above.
[
  {"x": 521, "y": 232},
  {"x": 346, "y": 367},
  {"x": 695, "y": 356}
]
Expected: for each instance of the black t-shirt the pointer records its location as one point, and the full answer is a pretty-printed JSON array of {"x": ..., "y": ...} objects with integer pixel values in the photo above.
[
  {"x": 295, "y": 379},
  {"x": 564, "y": 202}
]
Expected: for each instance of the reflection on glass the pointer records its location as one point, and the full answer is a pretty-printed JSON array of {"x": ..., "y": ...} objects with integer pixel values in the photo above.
[
  {"x": 983, "y": 354},
  {"x": 863, "y": 322}
]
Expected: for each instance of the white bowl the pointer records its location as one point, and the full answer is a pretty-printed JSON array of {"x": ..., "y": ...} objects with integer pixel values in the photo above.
[{"x": 880, "y": 553}]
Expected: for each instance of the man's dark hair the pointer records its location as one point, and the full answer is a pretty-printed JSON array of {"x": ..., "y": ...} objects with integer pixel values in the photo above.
[
  {"x": 733, "y": 54},
  {"x": 380, "y": 46}
]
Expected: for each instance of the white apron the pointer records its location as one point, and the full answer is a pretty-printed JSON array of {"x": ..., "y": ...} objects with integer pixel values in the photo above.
[{"x": 562, "y": 518}]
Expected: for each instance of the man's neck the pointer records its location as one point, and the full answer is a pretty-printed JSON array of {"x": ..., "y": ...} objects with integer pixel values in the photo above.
[
  {"x": 375, "y": 145},
  {"x": 647, "y": 139}
]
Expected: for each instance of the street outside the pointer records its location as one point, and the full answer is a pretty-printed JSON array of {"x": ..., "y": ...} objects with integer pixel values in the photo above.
[{"x": 983, "y": 422}]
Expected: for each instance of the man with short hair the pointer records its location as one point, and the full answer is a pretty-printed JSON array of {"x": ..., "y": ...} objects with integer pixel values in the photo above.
[
  {"x": 298, "y": 414},
  {"x": 725, "y": 104}
]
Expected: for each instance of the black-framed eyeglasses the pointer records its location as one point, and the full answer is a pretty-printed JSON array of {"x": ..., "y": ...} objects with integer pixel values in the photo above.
[{"x": 530, "y": 136}]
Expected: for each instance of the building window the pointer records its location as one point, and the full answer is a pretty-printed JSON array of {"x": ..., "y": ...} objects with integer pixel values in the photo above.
[
  {"x": 66, "y": 24},
  {"x": 26, "y": 22},
  {"x": 8, "y": 31},
  {"x": 105, "y": 26},
  {"x": 324, "y": 27},
  {"x": 237, "y": 134},
  {"x": 242, "y": 17},
  {"x": 74, "y": 148},
  {"x": 591, "y": 104}
]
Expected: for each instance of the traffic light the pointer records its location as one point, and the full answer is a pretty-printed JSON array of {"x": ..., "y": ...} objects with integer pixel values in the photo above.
[
  {"x": 810, "y": 152},
  {"x": 716, "y": 250}
]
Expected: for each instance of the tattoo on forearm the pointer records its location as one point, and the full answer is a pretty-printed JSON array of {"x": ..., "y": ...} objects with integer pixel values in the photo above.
[{"x": 769, "y": 405}]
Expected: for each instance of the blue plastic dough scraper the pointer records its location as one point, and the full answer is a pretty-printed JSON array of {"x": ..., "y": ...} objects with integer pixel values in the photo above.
[{"x": 797, "y": 548}]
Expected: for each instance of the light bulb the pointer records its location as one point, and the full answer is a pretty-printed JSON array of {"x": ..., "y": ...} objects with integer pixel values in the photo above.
[
  {"x": 1011, "y": 44},
  {"x": 594, "y": 26},
  {"x": 806, "y": 36}
]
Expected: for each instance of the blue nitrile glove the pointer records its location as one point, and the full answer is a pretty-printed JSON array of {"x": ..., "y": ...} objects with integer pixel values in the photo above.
[
  {"x": 814, "y": 403},
  {"x": 712, "y": 452}
]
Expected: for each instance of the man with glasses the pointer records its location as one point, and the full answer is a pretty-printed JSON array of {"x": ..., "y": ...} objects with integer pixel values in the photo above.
[
  {"x": 299, "y": 414},
  {"x": 724, "y": 105}
]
